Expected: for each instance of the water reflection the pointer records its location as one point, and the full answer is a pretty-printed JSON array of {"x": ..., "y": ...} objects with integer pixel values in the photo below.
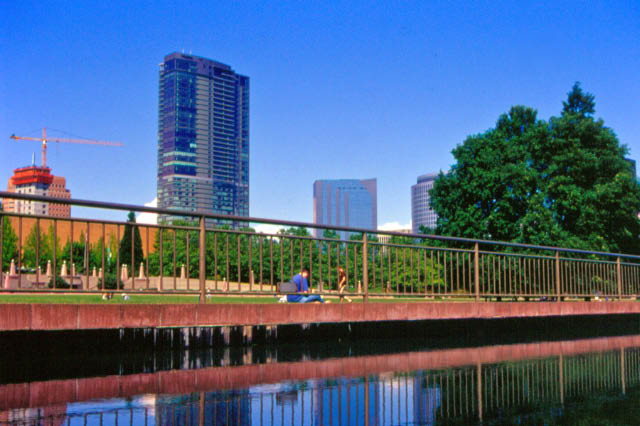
[{"x": 525, "y": 383}]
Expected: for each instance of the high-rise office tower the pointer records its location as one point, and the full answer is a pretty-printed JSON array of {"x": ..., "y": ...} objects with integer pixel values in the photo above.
[
  {"x": 421, "y": 212},
  {"x": 203, "y": 137},
  {"x": 345, "y": 202}
]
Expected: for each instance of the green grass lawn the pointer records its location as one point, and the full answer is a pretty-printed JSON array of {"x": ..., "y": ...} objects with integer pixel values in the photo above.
[{"x": 166, "y": 299}]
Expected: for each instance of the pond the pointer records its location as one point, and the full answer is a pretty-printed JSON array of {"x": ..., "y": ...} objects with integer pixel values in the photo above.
[{"x": 587, "y": 381}]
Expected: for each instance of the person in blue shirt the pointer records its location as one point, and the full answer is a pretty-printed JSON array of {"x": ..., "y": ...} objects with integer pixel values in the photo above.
[{"x": 302, "y": 286}]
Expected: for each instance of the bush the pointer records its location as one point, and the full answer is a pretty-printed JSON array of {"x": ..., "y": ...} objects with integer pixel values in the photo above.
[
  {"x": 110, "y": 282},
  {"x": 60, "y": 283}
]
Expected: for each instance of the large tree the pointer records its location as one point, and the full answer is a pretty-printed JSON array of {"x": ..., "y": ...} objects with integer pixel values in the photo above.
[
  {"x": 9, "y": 244},
  {"x": 127, "y": 241},
  {"x": 563, "y": 182}
]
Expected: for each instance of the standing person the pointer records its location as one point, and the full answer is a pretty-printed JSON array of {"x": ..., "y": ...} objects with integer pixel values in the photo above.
[
  {"x": 302, "y": 286},
  {"x": 342, "y": 284}
]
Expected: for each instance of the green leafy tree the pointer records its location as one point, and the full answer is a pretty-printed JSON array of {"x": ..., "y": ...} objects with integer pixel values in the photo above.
[
  {"x": 74, "y": 253},
  {"x": 563, "y": 182},
  {"x": 9, "y": 243},
  {"x": 37, "y": 248},
  {"x": 126, "y": 242}
]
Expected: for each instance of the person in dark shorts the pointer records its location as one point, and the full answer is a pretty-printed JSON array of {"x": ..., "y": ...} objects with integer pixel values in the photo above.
[{"x": 342, "y": 284}]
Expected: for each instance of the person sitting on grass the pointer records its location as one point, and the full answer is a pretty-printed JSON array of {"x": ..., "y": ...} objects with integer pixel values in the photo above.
[{"x": 302, "y": 287}]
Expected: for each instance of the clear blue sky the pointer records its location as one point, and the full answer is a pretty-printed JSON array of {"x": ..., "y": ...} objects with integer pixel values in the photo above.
[{"x": 338, "y": 89}]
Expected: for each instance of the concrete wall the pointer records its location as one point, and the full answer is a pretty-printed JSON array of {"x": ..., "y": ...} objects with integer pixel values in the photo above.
[{"x": 79, "y": 317}]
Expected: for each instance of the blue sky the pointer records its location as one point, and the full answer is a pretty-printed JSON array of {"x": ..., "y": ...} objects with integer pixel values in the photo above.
[{"x": 338, "y": 89}]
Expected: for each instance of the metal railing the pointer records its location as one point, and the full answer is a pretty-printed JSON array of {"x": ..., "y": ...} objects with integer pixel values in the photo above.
[{"x": 215, "y": 254}]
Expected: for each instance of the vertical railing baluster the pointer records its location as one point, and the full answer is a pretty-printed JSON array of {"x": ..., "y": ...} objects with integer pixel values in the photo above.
[
  {"x": 37, "y": 251},
  {"x": 202, "y": 263},
  {"x": 365, "y": 267},
  {"x": 104, "y": 239},
  {"x": 281, "y": 244},
  {"x": 132, "y": 272},
  {"x": 251, "y": 274},
  {"x": 476, "y": 268},
  {"x": 55, "y": 253},
  {"x": 175, "y": 260},
  {"x": 118, "y": 272},
  {"x": 619, "y": 277},
  {"x": 238, "y": 251},
  {"x": 271, "y": 261},
  {"x": 228, "y": 270},
  {"x": 87, "y": 254},
  {"x": 161, "y": 257},
  {"x": 147, "y": 257},
  {"x": 215, "y": 259},
  {"x": 558, "y": 283},
  {"x": 2, "y": 219},
  {"x": 188, "y": 256},
  {"x": 261, "y": 238}
]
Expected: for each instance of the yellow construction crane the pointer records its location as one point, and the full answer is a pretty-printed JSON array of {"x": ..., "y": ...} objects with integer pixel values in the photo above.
[{"x": 44, "y": 141}]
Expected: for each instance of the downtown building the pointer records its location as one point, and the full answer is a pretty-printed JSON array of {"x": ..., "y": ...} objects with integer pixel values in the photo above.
[
  {"x": 203, "y": 137},
  {"x": 421, "y": 212},
  {"x": 37, "y": 180},
  {"x": 345, "y": 202}
]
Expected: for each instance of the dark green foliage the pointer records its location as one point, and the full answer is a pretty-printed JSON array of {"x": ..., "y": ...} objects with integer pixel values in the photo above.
[
  {"x": 44, "y": 249},
  {"x": 563, "y": 182},
  {"x": 60, "y": 283},
  {"x": 125, "y": 243},
  {"x": 75, "y": 253},
  {"x": 110, "y": 282},
  {"x": 9, "y": 243}
]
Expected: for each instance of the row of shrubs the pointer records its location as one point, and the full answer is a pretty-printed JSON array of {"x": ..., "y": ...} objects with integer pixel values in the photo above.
[{"x": 110, "y": 282}]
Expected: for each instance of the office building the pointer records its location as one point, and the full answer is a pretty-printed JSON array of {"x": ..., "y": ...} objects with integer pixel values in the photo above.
[
  {"x": 203, "y": 137},
  {"x": 345, "y": 202},
  {"x": 421, "y": 212},
  {"x": 37, "y": 180}
]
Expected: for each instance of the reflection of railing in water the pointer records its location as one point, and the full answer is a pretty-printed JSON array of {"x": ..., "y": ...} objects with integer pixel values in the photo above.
[
  {"x": 481, "y": 391},
  {"x": 195, "y": 258}
]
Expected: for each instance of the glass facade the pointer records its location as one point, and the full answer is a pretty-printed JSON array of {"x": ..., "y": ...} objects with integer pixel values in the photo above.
[
  {"x": 345, "y": 202},
  {"x": 203, "y": 137},
  {"x": 421, "y": 212}
]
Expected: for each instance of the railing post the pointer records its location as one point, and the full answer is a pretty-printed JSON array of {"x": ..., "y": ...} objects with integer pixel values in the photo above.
[
  {"x": 203, "y": 268},
  {"x": 557, "y": 264},
  {"x": 619, "y": 277},
  {"x": 476, "y": 268},
  {"x": 365, "y": 266}
]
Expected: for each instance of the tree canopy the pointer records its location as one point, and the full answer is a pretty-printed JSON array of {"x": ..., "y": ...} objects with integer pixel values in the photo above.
[{"x": 562, "y": 182}]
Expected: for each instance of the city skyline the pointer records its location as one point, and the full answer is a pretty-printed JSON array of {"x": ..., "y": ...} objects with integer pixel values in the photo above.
[{"x": 326, "y": 97}]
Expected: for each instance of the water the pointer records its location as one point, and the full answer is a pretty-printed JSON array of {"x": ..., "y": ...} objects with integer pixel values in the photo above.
[{"x": 583, "y": 381}]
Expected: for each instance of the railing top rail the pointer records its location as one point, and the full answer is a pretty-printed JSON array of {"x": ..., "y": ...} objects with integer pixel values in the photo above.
[{"x": 247, "y": 219}]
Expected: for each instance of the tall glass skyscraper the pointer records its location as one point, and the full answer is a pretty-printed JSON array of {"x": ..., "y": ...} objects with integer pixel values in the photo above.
[
  {"x": 421, "y": 212},
  {"x": 345, "y": 202},
  {"x": 203, "y": 136}
]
